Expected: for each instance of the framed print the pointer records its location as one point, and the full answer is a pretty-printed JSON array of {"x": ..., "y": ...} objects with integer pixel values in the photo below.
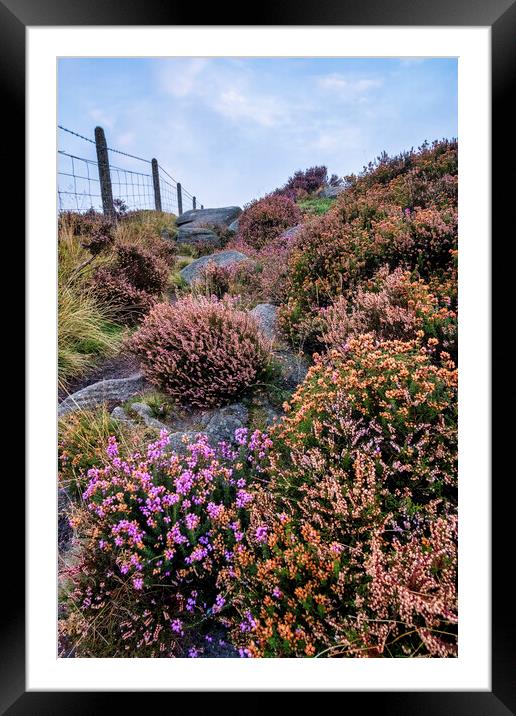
[{"x": 261, "y": 349}]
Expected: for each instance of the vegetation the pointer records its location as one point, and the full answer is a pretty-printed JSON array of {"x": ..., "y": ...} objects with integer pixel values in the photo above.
[{"x": 333, "y": 531}]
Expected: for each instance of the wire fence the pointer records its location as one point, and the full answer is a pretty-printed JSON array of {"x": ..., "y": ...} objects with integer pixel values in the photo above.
[{"x": 92, "y": 175}]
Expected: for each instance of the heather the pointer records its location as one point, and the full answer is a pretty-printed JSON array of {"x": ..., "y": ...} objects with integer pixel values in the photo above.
[
  {"x": 351, "y": 548},
  {"x": 399, "y": 213},
  {"x": 265, "y": 219},
  {"x": 157, "y": 528},
  {"x": 325, "y": 525},
  {"x": 200, "y": 350}
]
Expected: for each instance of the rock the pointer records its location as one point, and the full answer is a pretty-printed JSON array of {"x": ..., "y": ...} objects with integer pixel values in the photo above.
[
  {"x": 223, "y": 422},
  {"x": 266, "y": 315},
  {"x": 194, "y": 235},
  {"x": 223, "y": 258},
  {"x": 176, "y": 441},
  {"x": 116, "y": 390},
  {"x": 234, "y": 226},
  {"x": 291, "y": 233},
  {"x": 222, "y": 216},
  {"x": 119, "y": 414},
  {"x": 330, "y": 192},
  {"x": 294, "y": 367},
  {"x": 145, "y": 413}
]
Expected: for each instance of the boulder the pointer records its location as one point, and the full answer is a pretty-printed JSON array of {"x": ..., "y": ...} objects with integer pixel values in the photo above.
[
  {"x": 266, "y": 316},
  {"x": 119, "y": 414},
  {"x": 222, "y": 216},
  {"x": 222, "y": 422},
  {"x": 116, "y": 390},
  {"x": 330, "y": 192},
  {"x": 145, "y": 413},
  {"x": 234, "y": 226},
  {"x": 291, "y": 233},
  {"x": 194, "y": 235},
  {"x": 294, "y": 367},
  {"x": 223, "y": 258}
]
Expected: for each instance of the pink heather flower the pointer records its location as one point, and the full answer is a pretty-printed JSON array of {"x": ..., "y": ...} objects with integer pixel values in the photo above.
[
  {"x": 138, "y": 583},
  {"x": 112, "y": 448},
  {"x": 193, "y": 653},
  {"x": 243, "y": 498},
  {"x": 214, "y": 511},
  {"x": 241, "y": 436},
  {"x": 177, "y": 626},
  {"x": 276, "y": 592},
  {"x": 192, "y": 521},
  {"x": 261, "y": 533}
]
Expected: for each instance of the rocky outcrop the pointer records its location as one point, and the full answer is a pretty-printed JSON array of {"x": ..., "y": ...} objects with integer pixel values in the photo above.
[
  {"x": 234, "y": 226},
  {"x": 194, "y": 235},
  {"x": 266, "y": 316},
  {"x": 330, "y": 192},
  {"x": 224, "y": 258},
  {"x": 222, "y": 217},
  {"x": 117, "y": 390},
  {"x": 291, "y": 233},
  {"x": 294, "y": 366}
]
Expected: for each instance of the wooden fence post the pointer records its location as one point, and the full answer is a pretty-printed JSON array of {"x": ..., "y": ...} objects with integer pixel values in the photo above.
[
  {"x": 179, "y": 199},
  {"x": 194, "y": 203},
  {"x": 155, "y": 181},
  {"x": 106, "y": 190}
]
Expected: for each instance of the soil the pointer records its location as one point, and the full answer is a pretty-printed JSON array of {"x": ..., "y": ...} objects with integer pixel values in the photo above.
[{"x": 120, "y": 366}]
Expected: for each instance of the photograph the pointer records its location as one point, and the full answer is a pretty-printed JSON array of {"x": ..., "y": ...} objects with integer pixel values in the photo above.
[{"x": 257, "y": 318}]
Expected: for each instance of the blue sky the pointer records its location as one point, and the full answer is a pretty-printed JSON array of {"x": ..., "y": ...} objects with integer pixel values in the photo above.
[{"x": 233, "y": 129}]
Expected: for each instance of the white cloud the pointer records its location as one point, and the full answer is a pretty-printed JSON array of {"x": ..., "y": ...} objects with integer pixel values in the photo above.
[
  {"x": 182, "y": 77},
  {"x": 101, "y": 118},
  {"x": 348, "y": 89},
  {"x": 238, "y": 106}
]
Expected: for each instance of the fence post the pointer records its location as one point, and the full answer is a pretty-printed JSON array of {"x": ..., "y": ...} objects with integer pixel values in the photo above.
[
  {"x": 155, "y": 181},
  {"x": 179, "y": 199},
  {"x": 202, "y": 206},
  {"x": 106, "y": 190},
  {"x": 194, "y": 203}
]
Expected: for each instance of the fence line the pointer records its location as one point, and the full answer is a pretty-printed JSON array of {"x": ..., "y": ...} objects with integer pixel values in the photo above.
[{"x": 85, "y": 183}]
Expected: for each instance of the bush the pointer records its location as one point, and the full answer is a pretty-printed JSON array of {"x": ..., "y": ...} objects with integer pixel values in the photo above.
[
  {"x": 156, "y": 529},
  {"x": 142, "y": 269},
  {"x": 351, "y": 547},
  {"x": 305, "y": 182},
  {"x": 200, "y": 351},
  {"x": 83, "y": 437},
  {"x": 265, "y": 219},
  {"x": 128, "y": 303},
  {"x": 400, "y": 215},
  {"x": 132, "y": 283},
  {"x": 391, "y": 306}
]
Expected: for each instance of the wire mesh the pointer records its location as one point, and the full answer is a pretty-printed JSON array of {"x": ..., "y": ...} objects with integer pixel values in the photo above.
[{"x": 79, "y": 185}]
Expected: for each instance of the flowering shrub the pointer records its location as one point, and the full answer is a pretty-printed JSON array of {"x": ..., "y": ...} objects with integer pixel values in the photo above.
[
  {"x": 131, "y": 283},
  {"x": 265, "y": 219},
  {"x": 402, "y": 214},
  {"x": 394, "y": 306},
  {"x": 157, "y": 528},
  {"x": 356, "y": 551},
  {"x": 305, "y": 182},
  {"x": 200, "y": 351},
  {"x": 142, "y": 269},
  {"x": 128, "y": 303}
]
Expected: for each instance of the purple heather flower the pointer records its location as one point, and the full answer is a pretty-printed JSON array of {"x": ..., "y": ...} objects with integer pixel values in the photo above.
[
  {"x": 138, "y": 583},
  {"x": 261, "y": 533},
  {"x": 177, "y": 626},
  {"x": 192, "y": 521}
]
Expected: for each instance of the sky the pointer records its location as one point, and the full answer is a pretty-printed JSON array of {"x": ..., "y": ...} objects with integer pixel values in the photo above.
[{"x": 233, "y": 129}]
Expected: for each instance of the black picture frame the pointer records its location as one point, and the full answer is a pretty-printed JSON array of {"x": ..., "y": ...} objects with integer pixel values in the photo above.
[{"x": 500, "y": 16}]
